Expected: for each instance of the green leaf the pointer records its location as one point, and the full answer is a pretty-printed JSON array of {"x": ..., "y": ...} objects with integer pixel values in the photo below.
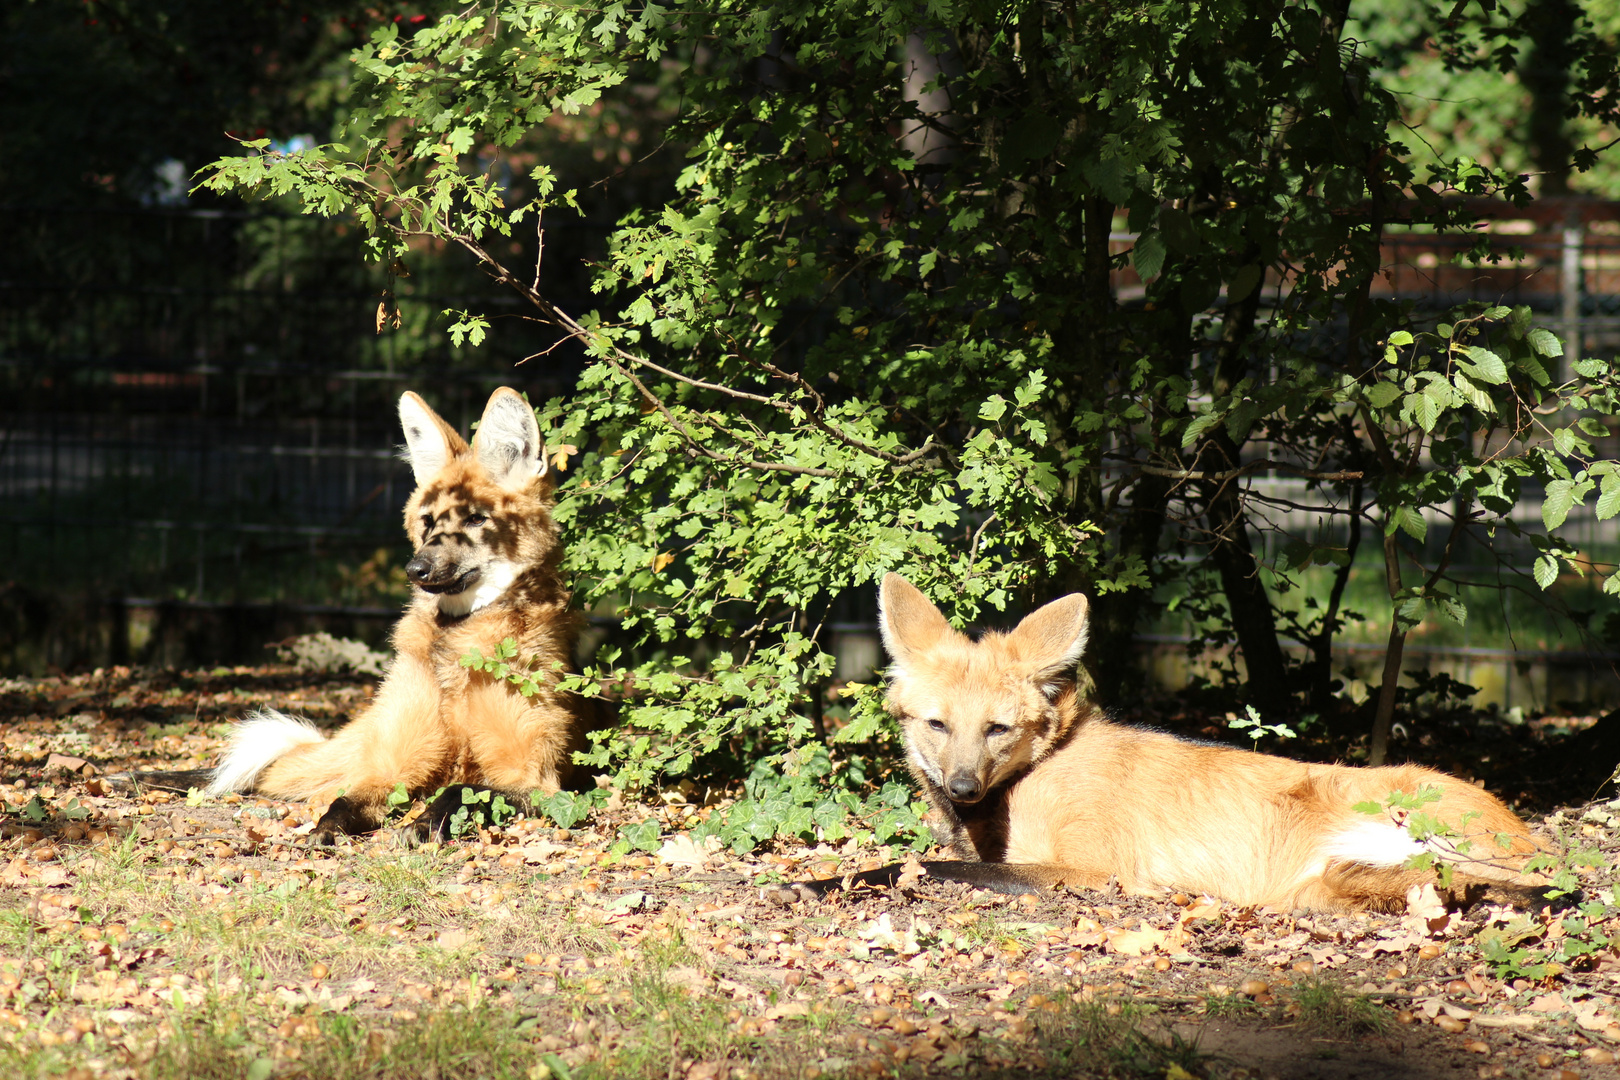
[
  {"x": 1519, "y": 324},
  {"x": 1545, "y": 342},
  {"x": 1487, "y": 366},
  {"x": 1608, "y": 504},
  {"x": 1409, "y": 519},
  {"x": 1593, "y": 368},
  {"x": 1400, "y": 337},
  {"x": 1147, "y": 255},
  {"x": 1200, "y": 424},
  {"x": 1451, "y": 607},
  {"x": 993, "y": 409},
  {"x": 1558, "y": 503},
  {"x": 1425, "y": 409},
  {"x": 1243, "y": 283},
  {"x": 1382, "y": 394},
  {"x": 1545, "y": 570},
  {"x": 1472, "y": 394}
]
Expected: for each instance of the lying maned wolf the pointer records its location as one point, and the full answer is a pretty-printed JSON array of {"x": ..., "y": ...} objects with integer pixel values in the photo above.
[
  {"x": 485, "y": 570},
  {"x": 1042, "y": 790}
]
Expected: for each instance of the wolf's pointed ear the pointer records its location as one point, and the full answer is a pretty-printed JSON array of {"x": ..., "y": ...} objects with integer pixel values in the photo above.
[
  {"x": 1051, "y": 639},
  {"x": 910, "y": 622},
  {"x": 508, "y": 442},
  {"x": 429, "y": 441}
]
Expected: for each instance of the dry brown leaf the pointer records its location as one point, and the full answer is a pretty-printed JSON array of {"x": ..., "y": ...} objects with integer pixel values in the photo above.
[
  {"x": 691, "y": 979},
  {"x": 911, "y": 871},
  {"x": 682, "y": 850},
  {"x": 1134, "y": 942},
  {"x": 450, "y": 940}
]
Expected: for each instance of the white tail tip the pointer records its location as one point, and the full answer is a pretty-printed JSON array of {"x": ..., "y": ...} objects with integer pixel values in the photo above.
[
  {"x": 1373, "y": 842},
  {"x": 258, "y": 740}
]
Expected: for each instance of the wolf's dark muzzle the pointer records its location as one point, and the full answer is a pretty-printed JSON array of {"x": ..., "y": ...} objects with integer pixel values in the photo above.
[
  {"x": 437, "y": 577},
  {"x": 964, "y": 787}
]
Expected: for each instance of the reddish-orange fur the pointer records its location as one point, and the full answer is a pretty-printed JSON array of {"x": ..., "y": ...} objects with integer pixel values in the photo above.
[
  {"x": 1045, "y": 781},
  {"x": 433, "y": 721}
]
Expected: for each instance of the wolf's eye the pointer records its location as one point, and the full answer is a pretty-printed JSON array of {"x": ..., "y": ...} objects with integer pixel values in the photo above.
[
  {"x": 937, "y": 725},
  {"x": 997, "y": 729},
  {"x": 474, "y": 519}
]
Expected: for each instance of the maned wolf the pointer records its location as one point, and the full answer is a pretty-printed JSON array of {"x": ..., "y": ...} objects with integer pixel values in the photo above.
[
  {"x": 485, "y": 569},
  {"x": 1040, "y": 790}
]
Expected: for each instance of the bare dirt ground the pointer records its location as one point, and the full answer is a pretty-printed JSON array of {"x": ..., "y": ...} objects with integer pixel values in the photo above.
[{"x": 156, "y": 935}]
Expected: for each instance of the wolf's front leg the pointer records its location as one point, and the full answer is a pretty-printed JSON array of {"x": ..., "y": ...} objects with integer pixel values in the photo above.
[{"x": 518, "y": 744}]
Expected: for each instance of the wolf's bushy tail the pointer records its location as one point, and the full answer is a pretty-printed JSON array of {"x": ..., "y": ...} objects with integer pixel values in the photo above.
[{"x": 261, "y": 738}]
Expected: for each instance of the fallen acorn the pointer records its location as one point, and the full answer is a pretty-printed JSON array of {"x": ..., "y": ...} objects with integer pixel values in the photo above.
[{"x": 1450, "y": 1024}]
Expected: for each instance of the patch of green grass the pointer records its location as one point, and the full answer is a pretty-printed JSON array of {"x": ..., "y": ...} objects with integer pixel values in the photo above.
[
  {"x": 116, "y": 879},
  {"x": 403, "y": 885},
  {"x": 209, "y": 1042},
  {"x": 479, "y": 1042},
  {"x": 1335, "y": 1012},
  {"x": 1228, "y": 1006},
  {"x": 664, "y": 1023},
  {"x": 1083, "y": 1039},
  {"x": 18, "y": 931},
  {"x": 991, "y": 930},
  {"x": 262, "y": 929}
]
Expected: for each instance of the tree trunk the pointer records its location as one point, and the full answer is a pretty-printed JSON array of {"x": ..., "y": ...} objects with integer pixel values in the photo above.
[
  {"x": 1252, "y": 618},
  {"x": 1384, "y": 718},
  {"x": 1246, "y": 597},
  {"x": 1545, "y": 73}
]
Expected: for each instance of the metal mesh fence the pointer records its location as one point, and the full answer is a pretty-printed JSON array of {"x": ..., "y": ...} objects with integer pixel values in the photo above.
[{"x": 195, "y": 406}]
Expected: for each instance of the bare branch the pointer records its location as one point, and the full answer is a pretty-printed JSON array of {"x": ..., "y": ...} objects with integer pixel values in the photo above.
[{"x": 1251, "y": 467}]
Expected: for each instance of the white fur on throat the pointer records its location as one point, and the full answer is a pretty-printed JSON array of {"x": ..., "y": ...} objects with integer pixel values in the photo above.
[
  {"x": 493, "y": 581},
  {"x": 258, "y": 740},
  {"x": 1373, "y": 843}
]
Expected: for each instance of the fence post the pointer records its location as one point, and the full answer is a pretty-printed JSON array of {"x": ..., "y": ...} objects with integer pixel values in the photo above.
[{"x": 1569, "y": 287}]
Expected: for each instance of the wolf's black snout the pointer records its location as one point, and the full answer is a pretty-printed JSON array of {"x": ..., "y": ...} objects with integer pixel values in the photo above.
[
  {"x": 964, "y": 787},
  {"x": 419, "y": 570}
]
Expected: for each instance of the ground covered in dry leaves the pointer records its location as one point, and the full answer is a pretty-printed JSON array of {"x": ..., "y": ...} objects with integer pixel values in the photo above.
[{"x": 160, "y": 936}]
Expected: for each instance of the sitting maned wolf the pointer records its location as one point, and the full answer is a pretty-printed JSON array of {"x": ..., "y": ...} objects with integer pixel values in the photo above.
[
  {"x": 485, "y": 569},
  {"x": 1037, "y": 787}
]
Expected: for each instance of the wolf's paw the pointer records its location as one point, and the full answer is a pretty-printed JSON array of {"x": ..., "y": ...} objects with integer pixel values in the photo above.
[{"x": 343, "y": 816}]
